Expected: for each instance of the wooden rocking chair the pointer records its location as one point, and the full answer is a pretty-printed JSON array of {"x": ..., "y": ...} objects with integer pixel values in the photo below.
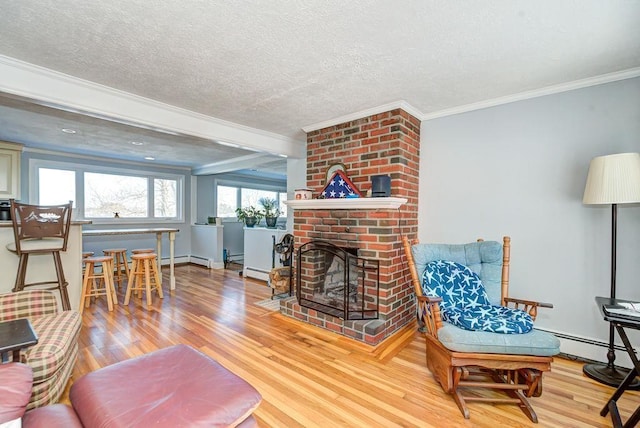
[{"x": 462, "y": 359}]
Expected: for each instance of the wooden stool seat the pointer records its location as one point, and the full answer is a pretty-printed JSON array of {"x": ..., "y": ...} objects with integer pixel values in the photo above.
[
  {"x": 98, "y": 283},
  {"x": 143, "y": 250},
  {"x": 86, "y": 254},
  {"x": 143, "y": 276},
  {"x": 120, "y": 264}
]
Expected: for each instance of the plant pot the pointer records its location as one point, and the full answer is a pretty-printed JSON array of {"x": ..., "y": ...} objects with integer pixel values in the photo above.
[
  {"x": 250, "y": 221},
  {"x": 271, "y": 221}
]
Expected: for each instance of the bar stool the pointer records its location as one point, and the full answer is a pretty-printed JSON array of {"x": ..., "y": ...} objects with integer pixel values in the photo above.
[
  {"x": 143, "y": 265},
  {"x": 142, "y": 250},
  {"x": 85, "y": 254},
  {"x": 98, "y": 283},
  {"x": 120, "y": 265},
  {"x": 41, "y": 229}
]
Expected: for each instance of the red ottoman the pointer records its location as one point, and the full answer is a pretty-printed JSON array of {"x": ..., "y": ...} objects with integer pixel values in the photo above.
[{"x": 172, "y": 387}]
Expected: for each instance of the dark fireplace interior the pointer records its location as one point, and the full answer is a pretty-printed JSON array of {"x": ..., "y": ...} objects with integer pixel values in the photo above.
[{"x": 335, "y": 281}]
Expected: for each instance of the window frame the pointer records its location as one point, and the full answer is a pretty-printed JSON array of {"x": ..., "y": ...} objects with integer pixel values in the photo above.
[
  {"x": 79, "y": 202},
  {"x": 243, "y": 185}
]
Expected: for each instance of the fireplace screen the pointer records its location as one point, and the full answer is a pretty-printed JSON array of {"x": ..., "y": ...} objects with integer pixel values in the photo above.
[{"x": 335, "y": 281}]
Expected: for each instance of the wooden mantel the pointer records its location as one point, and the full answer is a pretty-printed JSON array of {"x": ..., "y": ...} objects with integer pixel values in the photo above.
[{"x": 346, "y": 203}]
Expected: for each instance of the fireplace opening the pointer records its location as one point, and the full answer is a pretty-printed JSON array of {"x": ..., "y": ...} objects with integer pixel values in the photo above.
[{"x": 335, "y": 281}]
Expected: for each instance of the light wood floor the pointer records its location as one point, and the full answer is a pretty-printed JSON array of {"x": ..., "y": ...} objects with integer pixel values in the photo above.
[{"x": 309, "y": 377}]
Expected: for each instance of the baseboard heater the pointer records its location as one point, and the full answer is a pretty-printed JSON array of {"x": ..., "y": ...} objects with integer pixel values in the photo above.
[
  {"x": 583, "y": 340},
  {"x": 248, "y": 268},
  {"x": 256, "y": 273}
]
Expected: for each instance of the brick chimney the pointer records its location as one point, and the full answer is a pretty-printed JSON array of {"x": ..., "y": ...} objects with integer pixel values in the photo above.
[{"x": 382, "y": 144}]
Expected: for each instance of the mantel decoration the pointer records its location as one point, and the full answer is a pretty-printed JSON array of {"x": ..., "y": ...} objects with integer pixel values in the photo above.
[
  {"x": 612, "y": 180},
  {"x": 339, "y": 186},
  {"x": 333, "y": 168}
]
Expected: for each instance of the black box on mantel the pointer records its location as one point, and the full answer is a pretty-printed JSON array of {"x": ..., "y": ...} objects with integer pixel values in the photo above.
[{"x": 380, "y": 186}]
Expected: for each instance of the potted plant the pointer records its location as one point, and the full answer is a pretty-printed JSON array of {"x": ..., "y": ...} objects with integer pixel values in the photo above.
[
  {"x": 249, "y": 215},
  {"x": 271, "y": 211}
]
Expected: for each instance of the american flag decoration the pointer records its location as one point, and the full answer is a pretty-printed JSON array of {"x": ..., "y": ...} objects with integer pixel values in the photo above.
[{"x": 340, "y": 187}]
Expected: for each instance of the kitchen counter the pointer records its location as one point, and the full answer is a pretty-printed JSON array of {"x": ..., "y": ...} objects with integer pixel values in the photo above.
[{"x": 41, "y": 267}]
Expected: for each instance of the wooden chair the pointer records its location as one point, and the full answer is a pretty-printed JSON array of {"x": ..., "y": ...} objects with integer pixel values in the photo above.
[
  {"x": 462, "y": 359},
  {"x": 41, "y": 229}
]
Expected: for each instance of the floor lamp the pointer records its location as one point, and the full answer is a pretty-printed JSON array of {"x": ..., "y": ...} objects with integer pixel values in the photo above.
[{"x": 612, "y": 180}]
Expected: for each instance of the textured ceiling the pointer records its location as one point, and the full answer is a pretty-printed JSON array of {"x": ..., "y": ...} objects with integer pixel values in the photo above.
[{"x": 281, "y": 65}]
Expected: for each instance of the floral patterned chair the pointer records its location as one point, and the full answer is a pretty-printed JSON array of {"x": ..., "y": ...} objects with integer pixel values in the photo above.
[{"x": 53, "y": 357}]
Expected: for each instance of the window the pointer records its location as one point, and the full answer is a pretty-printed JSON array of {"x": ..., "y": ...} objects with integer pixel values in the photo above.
[
  {"x": 57, "y": 186},
  {"x": 227, "y": 201},
  {"x": 252, "y": 196},
  {"x": 165, "y": 198},
  {"x": 99, "y": 193},
  {"x": 108, "y": 194},
  {"x": 231, "y": 197}
]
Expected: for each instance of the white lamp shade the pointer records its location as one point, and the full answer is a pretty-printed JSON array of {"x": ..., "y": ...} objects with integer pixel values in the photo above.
[{"x": 613, "y": 179}]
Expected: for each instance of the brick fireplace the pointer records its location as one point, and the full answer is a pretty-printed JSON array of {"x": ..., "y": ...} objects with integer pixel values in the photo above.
[{"x": 382, "y": 144}]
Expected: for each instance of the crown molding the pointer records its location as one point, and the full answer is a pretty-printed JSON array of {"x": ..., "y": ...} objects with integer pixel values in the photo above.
[
  {"x": 549, "y": 90},
  {"x": 62, "y": 91},
  {"x": 365, "y": 113}
]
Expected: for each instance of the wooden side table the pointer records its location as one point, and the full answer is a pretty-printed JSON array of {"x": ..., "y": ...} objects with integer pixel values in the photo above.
[
  {"x": 14, "y": 336},
  {"x": 620, "y": 324}
]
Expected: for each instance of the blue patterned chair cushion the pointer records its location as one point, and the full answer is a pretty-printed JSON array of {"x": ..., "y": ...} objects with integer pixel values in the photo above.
[{"x": 465, "y": 303}]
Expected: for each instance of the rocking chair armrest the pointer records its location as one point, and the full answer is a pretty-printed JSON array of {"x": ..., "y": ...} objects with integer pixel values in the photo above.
[
  {"x": 528, "y": 302},
  {"x": 429, "y": 313},
  {"x": 429, "y": 299},
  {"x": 529, "y": 306}
]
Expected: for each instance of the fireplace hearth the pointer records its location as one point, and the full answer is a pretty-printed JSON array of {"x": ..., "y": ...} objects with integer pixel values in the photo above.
[{"x": 335, "y": 281}]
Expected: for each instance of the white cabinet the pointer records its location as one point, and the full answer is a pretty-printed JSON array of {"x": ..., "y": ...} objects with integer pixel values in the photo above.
[
  {"x": 258, "y": 251},
  {"x": 206, "y": 245},
  {"x": 10, "y": 170}
]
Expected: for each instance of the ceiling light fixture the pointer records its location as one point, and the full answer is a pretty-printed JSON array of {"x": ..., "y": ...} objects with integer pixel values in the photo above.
[
  {"x": 149, "y": 158},
  {"x": 137, "y": 143},
  {"x": 68, "y": 130},
  {"x": 283, "y": 156}
]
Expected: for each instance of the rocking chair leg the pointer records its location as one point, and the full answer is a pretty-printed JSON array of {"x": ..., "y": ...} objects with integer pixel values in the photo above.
[
  {"x": 462, "y": 405},
  {"x": 525, "y": 406},
  {"x": 511, "y": 376}
]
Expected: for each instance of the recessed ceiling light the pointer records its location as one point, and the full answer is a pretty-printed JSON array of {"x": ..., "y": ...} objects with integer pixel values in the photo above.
[
  {"x": 282, "y": 156},
  {"x": 68, "y": 130},
  {"x": 224, "y": 143},
  {"x": 137, "y": 143},
  {"x": 149, "y": 158}
]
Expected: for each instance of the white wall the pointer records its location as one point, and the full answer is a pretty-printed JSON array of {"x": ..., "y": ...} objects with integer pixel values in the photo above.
[
  {"x": 519, "y": 170},
  {"x": 296, "y": 179}
]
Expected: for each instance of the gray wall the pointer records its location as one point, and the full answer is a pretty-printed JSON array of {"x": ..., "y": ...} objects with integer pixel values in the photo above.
[{"x": 520, "y": 169}]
